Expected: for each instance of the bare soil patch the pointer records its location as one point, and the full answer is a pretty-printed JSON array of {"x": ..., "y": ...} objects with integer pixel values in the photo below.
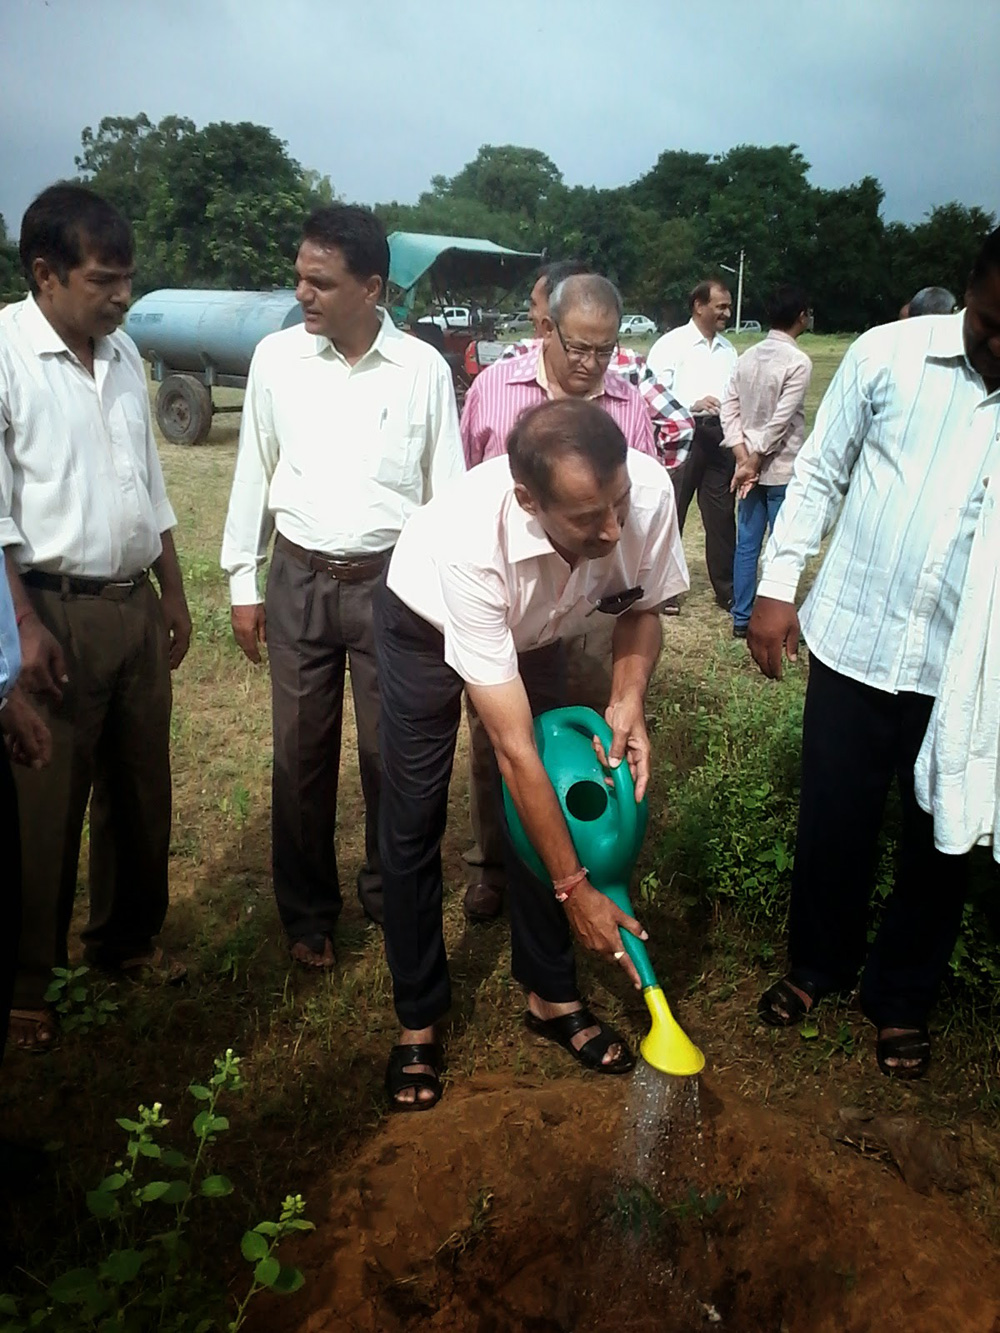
[{"x": 502, "y": 1210}]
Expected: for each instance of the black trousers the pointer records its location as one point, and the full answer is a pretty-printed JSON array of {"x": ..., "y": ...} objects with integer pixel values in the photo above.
[
  {"x": 10, "y": 890},
  {"x": 855, "y": 739},
  {"x": 421, "y": 712},
  {"x": 707, "y": 472}
]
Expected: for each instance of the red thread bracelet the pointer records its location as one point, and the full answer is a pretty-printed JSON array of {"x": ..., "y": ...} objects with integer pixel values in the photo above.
[
  {"x": 564, "y": 887},
  {"x": 24, "y": 616}
]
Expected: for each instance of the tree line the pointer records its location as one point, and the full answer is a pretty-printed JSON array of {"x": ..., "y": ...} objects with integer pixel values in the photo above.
[{"x": 222, "y": 206}]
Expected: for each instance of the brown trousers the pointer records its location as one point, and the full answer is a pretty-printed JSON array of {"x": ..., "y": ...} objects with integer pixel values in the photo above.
[
  {"x": 110, "y": 744},
  {"x": 316, "y": 625},
  {"x": 588, "y": 681}
]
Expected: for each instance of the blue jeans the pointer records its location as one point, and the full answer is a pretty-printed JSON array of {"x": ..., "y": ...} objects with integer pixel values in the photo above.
[{"x": 757, "y": 513}]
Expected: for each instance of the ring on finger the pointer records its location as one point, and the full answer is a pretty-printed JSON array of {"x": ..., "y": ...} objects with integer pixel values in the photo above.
[{"x": 619, "y": 955}]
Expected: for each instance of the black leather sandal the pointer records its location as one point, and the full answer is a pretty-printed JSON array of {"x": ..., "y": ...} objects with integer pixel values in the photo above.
[
  {"x": 915, "y": 1045},
  {"x": 780, "y": 1007},
  {"x": 399, "y": 1078},
  {"x": 591, "y": 1054}
]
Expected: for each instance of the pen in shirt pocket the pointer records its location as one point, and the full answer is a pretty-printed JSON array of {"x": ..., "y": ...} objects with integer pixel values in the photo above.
[{"x": 383, "y": 418}]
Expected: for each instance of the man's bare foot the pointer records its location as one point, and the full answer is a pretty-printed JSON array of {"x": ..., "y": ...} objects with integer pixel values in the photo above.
[
  {"x": 316, "y": 952},
  {"x": 416, "y": 1037},
  {"x": 544, "y": 1010}
]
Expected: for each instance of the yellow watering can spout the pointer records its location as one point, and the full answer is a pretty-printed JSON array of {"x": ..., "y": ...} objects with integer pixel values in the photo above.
[{"x": 666, "y": 1046}]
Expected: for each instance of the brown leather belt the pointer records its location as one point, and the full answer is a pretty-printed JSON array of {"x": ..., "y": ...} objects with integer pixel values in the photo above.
[
  {"x": 76, "y": 585},
  {"x": 352, "y": 569}
]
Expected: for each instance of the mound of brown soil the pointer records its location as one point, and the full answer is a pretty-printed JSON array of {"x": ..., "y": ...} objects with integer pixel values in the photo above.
[{"x": 509, "y": 1207}]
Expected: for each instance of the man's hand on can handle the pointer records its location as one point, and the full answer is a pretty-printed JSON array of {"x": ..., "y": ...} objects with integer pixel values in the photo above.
[{"x": 598, "y": 923}]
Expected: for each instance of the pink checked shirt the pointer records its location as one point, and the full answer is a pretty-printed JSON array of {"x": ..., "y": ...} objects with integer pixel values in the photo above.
[{"x": 504, "y": 390}]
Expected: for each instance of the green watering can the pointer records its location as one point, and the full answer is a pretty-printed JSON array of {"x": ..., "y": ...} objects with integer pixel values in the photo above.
[{"x": 607, "y": 826}]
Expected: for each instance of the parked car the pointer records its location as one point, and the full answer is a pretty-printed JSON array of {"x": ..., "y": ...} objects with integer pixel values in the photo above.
[
  {"x": 747, "y": 326},
  {"x": 451, "y": 317},
  {"x": 520, "y": 322},
  {"x": 635, "y": 326}
]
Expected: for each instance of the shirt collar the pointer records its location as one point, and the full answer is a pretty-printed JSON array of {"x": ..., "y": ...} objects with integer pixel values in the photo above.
[
  {"x": 45, "y": 341},
  {"x": 387, "y": 343},
  {"x": 526, "y": 538},
  {"x": 780, "y": 336},
  {"x": 698, "y": 337}
]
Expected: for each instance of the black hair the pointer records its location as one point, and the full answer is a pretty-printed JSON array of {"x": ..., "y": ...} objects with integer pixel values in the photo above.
[
  {"x": 987, "y": 259},
  {"x": 702, "y": 294},
  {"x": 784, "y": 306},
  {"x": 358, "y": 235},
  {"x": 551, "y": 431},
  {"x": 559, "y": 270},
  {"x": 65, "y": 224}
]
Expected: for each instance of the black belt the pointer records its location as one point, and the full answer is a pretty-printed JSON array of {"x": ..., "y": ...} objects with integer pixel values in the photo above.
[
  {"x": 75, "y": 585},
  {"x": 348, "y": 569}
]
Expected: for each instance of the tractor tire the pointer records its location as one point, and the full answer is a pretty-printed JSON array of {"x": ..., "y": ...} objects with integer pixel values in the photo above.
[{"x": 184, "y": 410}]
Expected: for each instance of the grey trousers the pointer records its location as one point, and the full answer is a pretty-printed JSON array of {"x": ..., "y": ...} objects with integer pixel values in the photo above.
[
  {"x": 316, "y": 625},
  {"x": 111, "y": 745}
]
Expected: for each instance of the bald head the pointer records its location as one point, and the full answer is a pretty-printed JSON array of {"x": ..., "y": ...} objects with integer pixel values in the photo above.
[
  {"x": 588, "y": 294},
  {"x": 932, "y": 301}
]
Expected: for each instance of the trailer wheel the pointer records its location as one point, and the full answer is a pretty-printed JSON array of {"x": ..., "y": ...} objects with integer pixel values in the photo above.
[{"x": 184, "y": 409}]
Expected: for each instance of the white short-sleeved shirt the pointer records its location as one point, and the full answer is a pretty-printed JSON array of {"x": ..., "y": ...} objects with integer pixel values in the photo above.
[
  {"x": 481, "y": 570},
  {"x": 81, "y": 490}
]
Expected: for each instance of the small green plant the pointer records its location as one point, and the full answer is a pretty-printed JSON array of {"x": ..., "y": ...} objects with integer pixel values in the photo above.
[
  {"x": 80, "y": 1006},
  {"x": 635, "y": 1209},
  {"x": 145, "y": 1278},
  {"x": 697, "y": 1206}
]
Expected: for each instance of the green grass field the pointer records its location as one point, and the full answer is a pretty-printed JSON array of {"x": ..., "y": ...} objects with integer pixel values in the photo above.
[{"x": 314, "y": 1048}]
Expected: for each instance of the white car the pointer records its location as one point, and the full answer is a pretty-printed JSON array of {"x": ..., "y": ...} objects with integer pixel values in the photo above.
[{"x": 635, "y": 326}]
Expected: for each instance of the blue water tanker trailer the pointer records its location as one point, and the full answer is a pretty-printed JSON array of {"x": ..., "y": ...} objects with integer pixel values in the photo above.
[{"x": 198, "y": 340}]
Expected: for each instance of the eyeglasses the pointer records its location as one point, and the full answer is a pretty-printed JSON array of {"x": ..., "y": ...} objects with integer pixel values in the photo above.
[
  {"x": 616, "y": 603},
  {"x": 581, "y": 352}
]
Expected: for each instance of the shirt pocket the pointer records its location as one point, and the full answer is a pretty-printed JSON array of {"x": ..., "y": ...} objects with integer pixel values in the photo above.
[{"x": 397, "y": 463}]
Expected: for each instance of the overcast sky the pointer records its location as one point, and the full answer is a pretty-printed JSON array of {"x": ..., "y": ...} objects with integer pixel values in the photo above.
[{"x": 383, "y": 94}]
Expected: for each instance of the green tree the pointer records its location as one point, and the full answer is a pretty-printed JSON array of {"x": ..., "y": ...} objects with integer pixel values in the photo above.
[
  {"x": 11, "y": 278},
  {"x": 678, "y": 186},
  {"x": 938, "y": 252},
  {"x": 506, "y": 179},
  {"x": 124, "y": 157},
  {"x": 848, "y": 275}
]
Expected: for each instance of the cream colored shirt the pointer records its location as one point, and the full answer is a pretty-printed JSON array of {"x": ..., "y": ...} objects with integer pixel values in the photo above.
[
  {"x": 81, "y": 490},
  {"x": 337, "y": 457},
  {"x": 481, "y": 570},
  {"x": 765, "y": 405},
  {"x": 690, "y": 366}
]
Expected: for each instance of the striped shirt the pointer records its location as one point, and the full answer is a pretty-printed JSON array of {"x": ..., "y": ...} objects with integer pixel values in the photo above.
[
  {"x": 765, "y": 405},
  {"x": 673, "y": 424},
  {"x": 902, "y": 444},
  {"x": 505, "y": 390}
]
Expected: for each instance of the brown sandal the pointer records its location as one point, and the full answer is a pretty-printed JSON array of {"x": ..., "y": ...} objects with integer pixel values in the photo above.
[
  {"x": 156, "y": 968},
  {"x": 33, "y": 1030}
]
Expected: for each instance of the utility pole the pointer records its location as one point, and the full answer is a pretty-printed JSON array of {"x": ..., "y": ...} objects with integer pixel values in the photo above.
[{"x": 739, "y": 294}]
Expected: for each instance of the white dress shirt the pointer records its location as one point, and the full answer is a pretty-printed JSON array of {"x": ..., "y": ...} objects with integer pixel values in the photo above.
[
  {"x": 81, "y": 490},
  {"x": 691, "y": 366},
  {"x": 957, "y": 774},
  {"x": 903, "y": 442},
  {"x": 481, "y": 570},
  {"x": 337, "y": 457}
]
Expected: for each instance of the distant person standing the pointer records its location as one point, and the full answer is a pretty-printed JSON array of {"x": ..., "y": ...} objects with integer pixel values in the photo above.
[
  {"x": 695, "y": 363},
  {"x": 349, "y": 426},
  {"x": 763, "y": 417},
  {"x": 84, "y": 524}
]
